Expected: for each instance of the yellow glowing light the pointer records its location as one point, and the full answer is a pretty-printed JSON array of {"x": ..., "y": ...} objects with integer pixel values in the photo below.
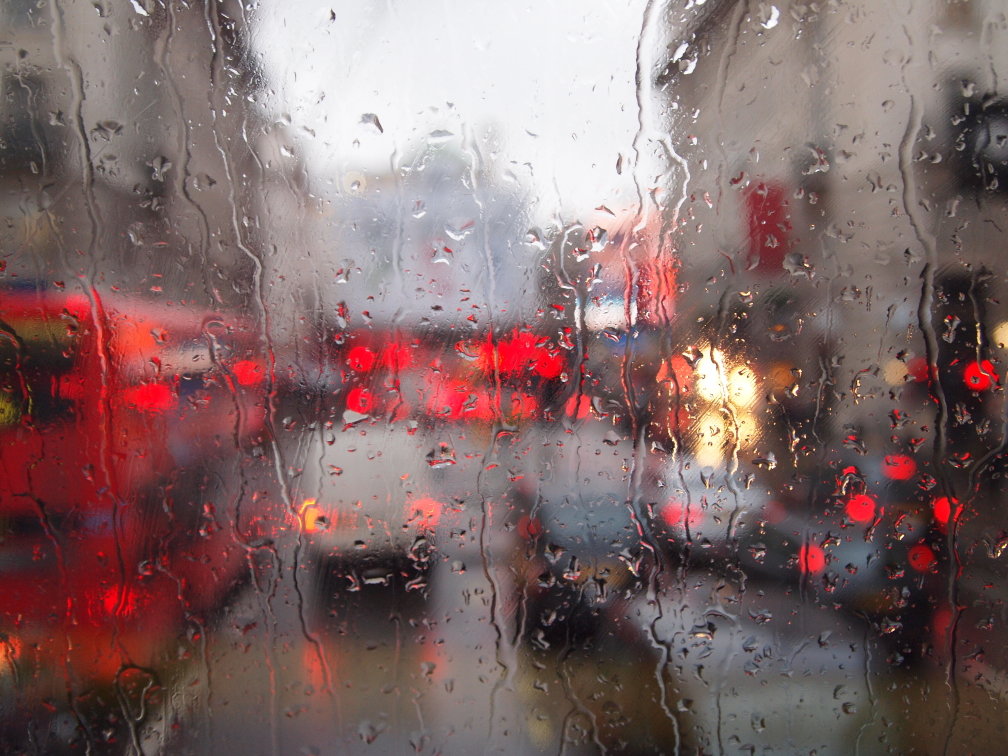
[
  {"x": 781, "y": 375},
  {"x": 710, "y": 439},
  {"x": 716, "y": 438},
  {"x": 309, "y": 515},
  {"x": 10, "y": 651},
  {"x": 10, "y": 412},
  {"x": 708, "y": 382},
  {"x": 748, "y": 429},
  {"x": 742, "y": 387}
]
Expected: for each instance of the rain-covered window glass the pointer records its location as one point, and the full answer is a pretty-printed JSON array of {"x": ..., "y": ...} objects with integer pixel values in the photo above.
[{"x": 596, "y": 376}]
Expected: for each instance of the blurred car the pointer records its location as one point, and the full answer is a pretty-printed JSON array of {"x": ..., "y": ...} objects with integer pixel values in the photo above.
[{"x": 111, "y": 549}]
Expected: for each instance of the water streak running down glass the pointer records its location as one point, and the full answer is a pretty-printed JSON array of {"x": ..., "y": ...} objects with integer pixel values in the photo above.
[{"x": 614, "y": 376}]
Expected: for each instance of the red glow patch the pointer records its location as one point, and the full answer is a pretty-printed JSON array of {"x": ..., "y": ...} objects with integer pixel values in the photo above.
[
  {"x": 899, "y": 467},
  {"x": 549, "y": 364},
  {"x": 941, "y": 624},
  {"x": 583, "y": 406},
  {"x": 672, "y": 514},
  {"x": 359, "y": 400},
  {"x": 70, "y": 388},
  {"x": 249, "y": 372},
  {"x": 921, "y": 557},
  {"x": 109, "y": 601},
  {"x": 523, "y": 406},
  {"x": 397, "y": 357},
  {"x": 150, "y": 397},
  {"x": 980, "y": 376},
  {"x": 918, "y": 370},
  {"x": 424, "y": 513},
  {"x": 456, "y": 400},
  {"x": 812, "y": 559},
  {"x": 522, "y": 353},
  {"x": 529, "y": 527},
  {"x": 360, "y": 358},
  {"x": 942, "y": 510},
  {"x": 769, "y": 224},
  {"x": 861, "y": 508}
]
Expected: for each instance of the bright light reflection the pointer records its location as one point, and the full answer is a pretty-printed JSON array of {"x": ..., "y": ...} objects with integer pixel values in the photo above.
[{"x": 742, "y": 385}]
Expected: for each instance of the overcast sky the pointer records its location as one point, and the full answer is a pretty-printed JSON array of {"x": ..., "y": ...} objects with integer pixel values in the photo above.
[{"x": 555, "y": 79}]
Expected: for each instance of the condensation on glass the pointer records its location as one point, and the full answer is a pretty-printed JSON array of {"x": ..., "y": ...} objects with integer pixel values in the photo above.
[{"x": 611, "y": 377}]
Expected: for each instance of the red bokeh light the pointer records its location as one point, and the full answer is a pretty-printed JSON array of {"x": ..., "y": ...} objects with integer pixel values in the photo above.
[
  {"x": 396, "y": 357},
  {"x": 918, "y": 370},
  {"x": 860, "y": 508},
  {"x": 766, "y": 209},
  {"x": 812, "y": 558},
  {"x": 522, "y": 353},
  {"x": 249, "y": 372},
  {"x": 529, "y": 527},
  {"x": 980, "y": 376},
  {"x": 457, "y": 400},
  {"x": 921, "y": 557},
  {"x": 424, "y": 513},
  {"x": 942, "y": 508},
  {"x": 150, "y": 397},
  {"x": 583, "y": 406},
  {"x": 359, "y": 400},
  {"x": 941, "y": 622},
  {"x": 360, "y": 358},
  {"x": 672, "y": 514},
  {"x": 899, "y": 467},
  {"x": 70, "y": 387}
]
